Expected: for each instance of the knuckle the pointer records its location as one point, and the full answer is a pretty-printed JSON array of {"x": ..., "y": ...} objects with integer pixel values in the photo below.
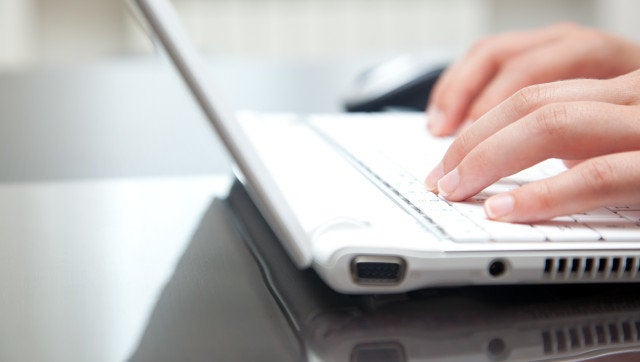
[
  {"x": 528, "y": 98},
  {"x": 551, "y": 121},
  {"x": 598, "y": 174}
]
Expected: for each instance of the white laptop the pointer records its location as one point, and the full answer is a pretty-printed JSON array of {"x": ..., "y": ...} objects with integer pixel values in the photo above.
[{"x": 345, "y": 195}]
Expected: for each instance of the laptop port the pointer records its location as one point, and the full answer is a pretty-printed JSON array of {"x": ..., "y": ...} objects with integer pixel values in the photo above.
[
  {"x": 382, "y": 270},
  {"x": 497, "y": 268}
]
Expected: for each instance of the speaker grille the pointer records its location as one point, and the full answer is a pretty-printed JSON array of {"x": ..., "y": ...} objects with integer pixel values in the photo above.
[
  {"x": 597, "y": 268},
  {"x": 586, "y": 336}
]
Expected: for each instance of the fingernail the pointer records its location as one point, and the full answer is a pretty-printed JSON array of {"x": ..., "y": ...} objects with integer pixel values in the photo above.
[
  {"x": 449, "y": 183},
  {"x": 434, "y": 176},
  {"x": 436, "y": 120},
  {"x": 499, "y": 206}
]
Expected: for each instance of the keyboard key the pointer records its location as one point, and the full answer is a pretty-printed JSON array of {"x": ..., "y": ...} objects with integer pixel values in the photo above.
[
  {"x": 616, "y": 230},
  {"x": 556, "y": 230},
  {"x": 473, "y": 210},
  {"x": 625, "y": 208},
  {"x": 466, "y": 232},
  {"x": 630, "y": 215},
  {"x": 451, "y": 221},
  {"x": 442, "y": 213},
  {"x": 506, "y": 232},
  {"x": 598, "y": 214}
]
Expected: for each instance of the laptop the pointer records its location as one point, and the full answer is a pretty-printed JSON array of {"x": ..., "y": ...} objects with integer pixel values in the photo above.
[{"x": 344, "y": 194}]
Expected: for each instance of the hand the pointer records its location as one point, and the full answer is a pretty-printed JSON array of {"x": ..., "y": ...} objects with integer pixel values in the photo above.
[
  {"x": 498, "y": 66},
  {"x": 595, "y": 120}
]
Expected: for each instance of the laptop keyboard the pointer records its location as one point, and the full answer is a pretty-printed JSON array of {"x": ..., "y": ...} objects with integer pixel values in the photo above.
[{"x": 466, "y": 221}]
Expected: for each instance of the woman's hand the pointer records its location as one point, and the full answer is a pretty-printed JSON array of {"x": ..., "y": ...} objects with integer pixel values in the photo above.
[
  {"x": 584, "y": 119},
  {"x": 497, "y": 67}
]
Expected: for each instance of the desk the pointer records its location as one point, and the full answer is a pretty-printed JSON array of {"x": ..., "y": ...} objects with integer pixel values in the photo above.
[
  {"x": 119, "y": 241},
  {"x": 83, "y": 262},
  {"x": 109, "y": 177},
  {"x": 102, "y": 192}
]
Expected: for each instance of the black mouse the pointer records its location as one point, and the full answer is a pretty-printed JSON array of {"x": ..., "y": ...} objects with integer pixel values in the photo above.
[{"x": 403, "y": 82}]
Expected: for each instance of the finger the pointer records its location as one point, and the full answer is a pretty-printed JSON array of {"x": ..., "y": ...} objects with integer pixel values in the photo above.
[
  {"x": 519, "y": 105},
  {"x": 540, "y": 65},
  {"x": 445, "y": 115},
  {"x": 563, "y": 130},
  {"x": 544, "y": 64},
  {"x": 455, "y": 91},
  {"x": 607, "y": 180}
]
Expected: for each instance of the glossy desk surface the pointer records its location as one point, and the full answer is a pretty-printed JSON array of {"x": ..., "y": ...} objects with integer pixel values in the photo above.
[
  {"x": 119, "y": 241},
  {"x": 83, "y": 262}
]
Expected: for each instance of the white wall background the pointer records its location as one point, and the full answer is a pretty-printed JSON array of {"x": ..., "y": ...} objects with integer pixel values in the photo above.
[{"x": 35, "y": 32}]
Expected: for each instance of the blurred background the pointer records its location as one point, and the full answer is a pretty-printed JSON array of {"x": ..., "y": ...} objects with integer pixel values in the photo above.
[
  {"x": 83, "y": 96},
  {"x": 41, "y": 32}
]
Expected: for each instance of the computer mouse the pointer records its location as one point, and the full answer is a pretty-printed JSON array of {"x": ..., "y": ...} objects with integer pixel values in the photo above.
[{"x": 401, "y": 82}]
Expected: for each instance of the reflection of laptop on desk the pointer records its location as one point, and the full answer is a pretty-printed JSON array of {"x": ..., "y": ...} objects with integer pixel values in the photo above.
[
  {"x": 344, "y": 194},
  {"x": 497, "y": 323}
]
